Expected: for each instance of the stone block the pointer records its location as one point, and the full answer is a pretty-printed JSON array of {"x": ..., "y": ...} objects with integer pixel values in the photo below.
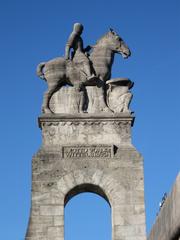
[
  {"x": 51, "y": 210},
  {"x": 58, "y": 220},
  {"x": 130, "y": 231},
  {"x": 55, "y": 232}
]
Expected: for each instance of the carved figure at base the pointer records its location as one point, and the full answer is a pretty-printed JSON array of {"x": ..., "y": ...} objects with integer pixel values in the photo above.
[
  {"x": 60, "y": 71},
  {"x": 118, "y": 94}
]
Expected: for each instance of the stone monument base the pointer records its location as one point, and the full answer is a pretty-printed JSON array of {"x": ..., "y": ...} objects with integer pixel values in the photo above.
[
  {"x": 86, "y": 153},
  {"x": 82, "y": 129}
]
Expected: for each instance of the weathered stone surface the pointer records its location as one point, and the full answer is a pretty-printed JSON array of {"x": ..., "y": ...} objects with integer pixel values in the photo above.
[
  {"x": 51, "y": 210},
  {"x": 86, "y": 140},
  {"x": 58, "y": 175},
  {"x": 81, "y": 70},
  {"x": 118, "y": 94},
  {"x": 68, "y": 100},
  {"x": 84, "y": 129},
  {"x": 167, "y": 225}
]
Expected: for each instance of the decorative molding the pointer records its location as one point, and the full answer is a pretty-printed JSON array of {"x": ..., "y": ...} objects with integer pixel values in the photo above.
[{"x": 85, "y": 119}]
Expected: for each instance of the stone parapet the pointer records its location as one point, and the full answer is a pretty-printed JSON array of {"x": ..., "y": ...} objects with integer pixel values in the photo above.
[{"x": 167, "y": 225}]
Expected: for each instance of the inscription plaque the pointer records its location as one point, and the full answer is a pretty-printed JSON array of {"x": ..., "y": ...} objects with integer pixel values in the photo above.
[{"x": 98, "y": 151}]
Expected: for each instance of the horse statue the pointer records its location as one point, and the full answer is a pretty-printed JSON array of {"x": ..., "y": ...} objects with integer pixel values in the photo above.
[{"x": 59, "y": 71}]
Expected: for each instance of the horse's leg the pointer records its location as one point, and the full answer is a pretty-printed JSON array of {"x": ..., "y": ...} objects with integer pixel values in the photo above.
[
  {"x": 47, "y": 95},
  {"x": 82, "y": 98},
  {"x": 44, "y": 107},
  {"x": 52, "y": 88},
  {"x": 79, "y": 89},
  {"x": 103, "y": 98}
]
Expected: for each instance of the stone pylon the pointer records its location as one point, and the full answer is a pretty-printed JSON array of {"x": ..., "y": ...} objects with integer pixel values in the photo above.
[
  {"x": 86, "y": 146},
  {"x": 87, "y": 153}
]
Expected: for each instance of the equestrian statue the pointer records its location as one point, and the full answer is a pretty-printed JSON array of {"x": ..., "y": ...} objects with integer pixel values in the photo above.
[{"x": 81, "y": 67}]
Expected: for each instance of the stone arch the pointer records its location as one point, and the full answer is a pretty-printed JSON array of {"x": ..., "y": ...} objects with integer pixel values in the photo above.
[
  {"x": 98, "y": 181},
  {"x": 86, "y": 187},
  {"x": 90, "y": 180}
]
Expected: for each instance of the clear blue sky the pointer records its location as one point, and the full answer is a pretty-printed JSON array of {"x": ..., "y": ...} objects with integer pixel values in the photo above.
[{"x": 34, "y": 31}]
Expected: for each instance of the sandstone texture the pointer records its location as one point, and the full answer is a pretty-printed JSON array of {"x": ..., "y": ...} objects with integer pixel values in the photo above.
[
  {"x": 86, "y": 140},
  {"x": 87, "y": 153},
  {"x": 167, "y": 224}
]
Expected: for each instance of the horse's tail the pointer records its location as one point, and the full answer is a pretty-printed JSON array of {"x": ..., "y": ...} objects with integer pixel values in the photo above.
[{"x": 39, "y": 70}]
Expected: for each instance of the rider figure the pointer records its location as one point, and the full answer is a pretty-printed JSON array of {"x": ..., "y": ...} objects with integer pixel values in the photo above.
[{"x": 78, "y": 56}]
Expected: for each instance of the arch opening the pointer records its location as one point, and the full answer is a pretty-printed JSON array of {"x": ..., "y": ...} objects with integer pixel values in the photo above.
[{"x": 87, "y": 214}]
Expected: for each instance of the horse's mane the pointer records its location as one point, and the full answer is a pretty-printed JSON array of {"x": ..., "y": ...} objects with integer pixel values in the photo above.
[{"x": 102, "y": 39}]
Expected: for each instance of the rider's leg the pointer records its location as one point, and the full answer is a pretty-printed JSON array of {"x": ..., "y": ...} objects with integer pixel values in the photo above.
[{"x": 87, "y": 70}]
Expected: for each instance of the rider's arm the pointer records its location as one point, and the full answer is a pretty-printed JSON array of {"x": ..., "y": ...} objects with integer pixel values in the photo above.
[
  {"x": 67, "y": 51},
  {"x": 69, "y": 45}
]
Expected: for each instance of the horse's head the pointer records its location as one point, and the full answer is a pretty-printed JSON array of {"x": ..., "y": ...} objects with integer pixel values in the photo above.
[{"x": 117, "y": 45}]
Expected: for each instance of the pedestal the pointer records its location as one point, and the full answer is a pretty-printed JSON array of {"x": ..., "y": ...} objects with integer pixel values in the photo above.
[{"x": 87, "y": 153}]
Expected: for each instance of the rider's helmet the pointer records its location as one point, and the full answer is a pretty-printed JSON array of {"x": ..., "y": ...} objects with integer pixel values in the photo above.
[{"x": 78, "y": 28}]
